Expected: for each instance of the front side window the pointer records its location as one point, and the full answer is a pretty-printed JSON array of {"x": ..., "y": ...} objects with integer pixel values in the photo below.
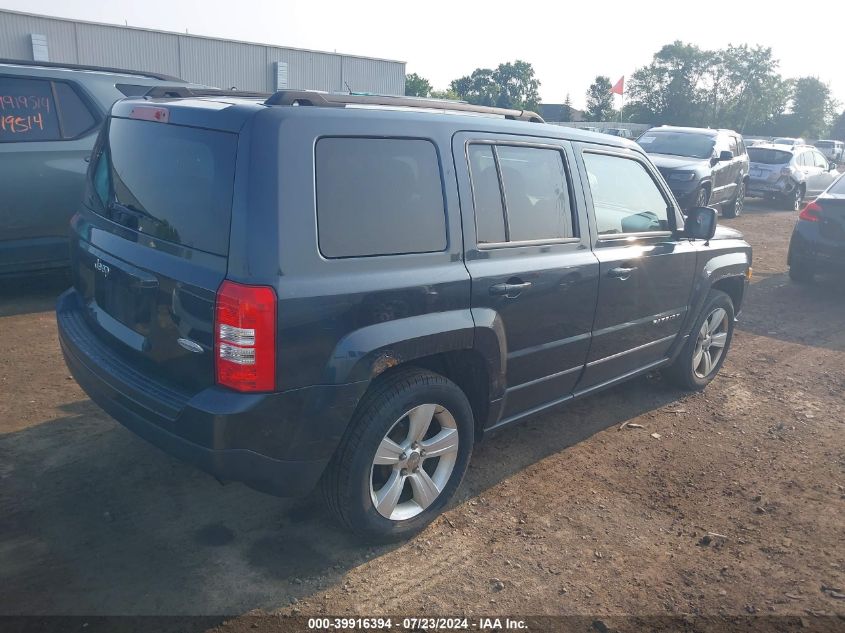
[
  {"x": 625, "y": 196},
  {"x": 535, "y": 190},
  {"x": 378, "y": 197}
]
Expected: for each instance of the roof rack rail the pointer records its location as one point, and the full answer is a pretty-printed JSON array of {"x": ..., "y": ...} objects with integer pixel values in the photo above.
[
  {"x": 181, "y": 92},
  {"x": 328, "y": 100},
  {"x": 102, "y": 69}
]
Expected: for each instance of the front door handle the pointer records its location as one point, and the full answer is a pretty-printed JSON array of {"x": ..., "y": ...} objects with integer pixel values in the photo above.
[
  {"x": 511, "y": 290},
  {"x": 621, "y": 272}
]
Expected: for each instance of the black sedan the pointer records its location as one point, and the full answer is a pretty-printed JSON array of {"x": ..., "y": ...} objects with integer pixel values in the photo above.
[{"x": 818, "y": 240}]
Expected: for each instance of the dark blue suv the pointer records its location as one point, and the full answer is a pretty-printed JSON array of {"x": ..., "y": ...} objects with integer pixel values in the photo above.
[{"x": 353, "y": 290}]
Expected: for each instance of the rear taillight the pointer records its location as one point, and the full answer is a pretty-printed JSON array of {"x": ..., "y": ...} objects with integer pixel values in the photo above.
[
  {"x": 811, "y": 213},
  {"x": 245, "y": 337}
]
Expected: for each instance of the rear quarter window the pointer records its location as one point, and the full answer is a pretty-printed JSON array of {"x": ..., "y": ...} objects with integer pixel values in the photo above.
[{"x": 378, "y": 196}]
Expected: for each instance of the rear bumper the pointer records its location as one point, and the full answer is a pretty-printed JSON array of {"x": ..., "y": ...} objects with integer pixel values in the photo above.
[
  {"x": 810, "y": 247},
  {"x": 276, "y": 442},
  {"x": 763, "y": 188}
]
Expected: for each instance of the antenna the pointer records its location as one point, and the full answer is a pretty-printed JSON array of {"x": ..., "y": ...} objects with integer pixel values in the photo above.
[{"x": 348, "y": 87}]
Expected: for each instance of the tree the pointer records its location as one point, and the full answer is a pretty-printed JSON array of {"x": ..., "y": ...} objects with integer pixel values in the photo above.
[
  {"x": 479, "y": 88},
  {"x": 510, "y": 85},
  {"x": 812, "y": 108},
  {"x": 566, "y": 109},
  {"x": 600, "y": 100},
  {"x": 444, "y": 94},
  {"x": 416, "y": 86},
  {"x": 518, "y": 87},
  {"x": 837, "y": 131}
]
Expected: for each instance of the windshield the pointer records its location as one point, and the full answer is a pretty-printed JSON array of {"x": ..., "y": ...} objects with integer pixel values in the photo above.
[
  {"x": 767, "y": 156},
  {"x": 677, "y": 144},
  {"x": 824, "y": 143},
  {"x": 784, "y": 141}
]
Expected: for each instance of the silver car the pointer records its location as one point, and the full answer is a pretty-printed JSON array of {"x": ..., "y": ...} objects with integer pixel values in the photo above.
[
  {"x": 788, "y": 174},
  {"x": 833, "y": 150}
]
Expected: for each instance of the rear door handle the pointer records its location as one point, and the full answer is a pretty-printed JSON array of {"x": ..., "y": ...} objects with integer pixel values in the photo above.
[
  {"x": 621, "y": 273},
  {"x": 509, "y": 289}
]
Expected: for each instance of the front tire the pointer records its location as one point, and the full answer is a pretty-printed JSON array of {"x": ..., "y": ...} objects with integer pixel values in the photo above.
[
  {"x": 707, "y": 347},
  {"x": 405, "y": 453},
  {"x": 702, "y": 197}
]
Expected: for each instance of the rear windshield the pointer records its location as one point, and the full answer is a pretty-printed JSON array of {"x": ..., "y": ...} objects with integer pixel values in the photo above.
[
  {"x": 768, "y": 156},
  {"x": 824, "y": 143},
  {"x": 838, "y": 187},
  {"x": 677, "y": 144},
  {"x": 170, "y": 182}
]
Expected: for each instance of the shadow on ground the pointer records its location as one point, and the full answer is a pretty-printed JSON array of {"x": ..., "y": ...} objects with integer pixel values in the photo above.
[{"x": 95, "y": 521}]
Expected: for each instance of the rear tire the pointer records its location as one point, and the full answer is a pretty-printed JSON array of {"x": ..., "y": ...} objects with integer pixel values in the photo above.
[
  {"x": 734, "y": 209},
  {"x": 792, "y": 201},
  {"x": 383, "y": 482},
  {"x": 707, "y": 346},
  {"x": 801, "y": 272}
]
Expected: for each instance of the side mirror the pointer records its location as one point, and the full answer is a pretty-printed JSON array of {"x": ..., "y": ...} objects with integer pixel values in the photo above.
[
  {"x": 700, "y": 223},
  {"x": 726, "y": 155}
]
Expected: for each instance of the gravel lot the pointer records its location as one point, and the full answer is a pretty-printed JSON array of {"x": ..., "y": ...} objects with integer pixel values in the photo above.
[{"x": 566, "y": 514}]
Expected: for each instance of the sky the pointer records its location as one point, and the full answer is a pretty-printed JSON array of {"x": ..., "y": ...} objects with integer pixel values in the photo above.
[{"x": 568, "y": 46}]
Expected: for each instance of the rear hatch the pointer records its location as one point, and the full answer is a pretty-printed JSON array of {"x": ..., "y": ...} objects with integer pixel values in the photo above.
[
  {"x": 767, "y": 163},
  {"x": 832, "y": 218},
  {"x": 151, "y": 250}
]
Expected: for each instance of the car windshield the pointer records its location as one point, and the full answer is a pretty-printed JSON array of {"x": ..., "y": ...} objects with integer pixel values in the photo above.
[
  {"x": 824, "y": 143},
  {"x": 784, "y": 141},
  {"x": 766, "y": 156},
  {"x": 677, "y": 144}
]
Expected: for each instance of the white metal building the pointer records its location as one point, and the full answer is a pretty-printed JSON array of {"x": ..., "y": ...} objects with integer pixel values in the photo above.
[{"x": 206, "y": 60}]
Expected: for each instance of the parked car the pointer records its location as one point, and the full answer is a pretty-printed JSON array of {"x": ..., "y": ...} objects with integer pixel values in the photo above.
[
  {"x": 353, "y": 296},
  {"x": 832, "y": 150},
  {"x": 788, "y": 141},
  {"x": 702, "y": 166},
  {"x": 49, "y": 117},
  {"x": 788, "y": 174},
  {"x": 818, "y": 240},
  {"x": 621, "y": 132}
]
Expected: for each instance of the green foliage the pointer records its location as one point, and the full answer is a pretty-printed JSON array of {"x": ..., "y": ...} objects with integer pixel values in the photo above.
[
  {"x": 416, "y": 86},
  {"x": 566, "y": 109},
  {"x": 837, "y": 131},
  {"x": 600, "y": 100},
  {"x": 812, "y": 108},
  {"x": 445, "y": 94},
  {"x": 737, "y": 87},
  {"x": 510, "y": 85}
]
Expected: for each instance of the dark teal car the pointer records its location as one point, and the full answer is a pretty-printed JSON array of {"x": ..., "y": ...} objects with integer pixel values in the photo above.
[{"x": 49, "y": 118}]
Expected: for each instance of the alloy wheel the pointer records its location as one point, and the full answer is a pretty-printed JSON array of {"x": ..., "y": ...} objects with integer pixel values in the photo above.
[
  {"x": 710, "y": 344},
  {"x": 739, "y": 205},
  {"x": 413, "y": 462}
]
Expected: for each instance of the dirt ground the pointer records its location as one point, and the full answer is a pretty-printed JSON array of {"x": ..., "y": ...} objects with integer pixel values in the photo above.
[{"x": 737, "y": 508}]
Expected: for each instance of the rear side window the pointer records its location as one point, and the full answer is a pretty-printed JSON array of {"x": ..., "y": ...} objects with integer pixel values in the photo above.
[
  {"x": 625, "y": 197},
  {"x": 170, "y": 182},
  {"x": 40, "y": 110},
  {"x": 535, "y": 190},
  {"x": 378, "y": 196},
  {"x": 27, "y": 111}
]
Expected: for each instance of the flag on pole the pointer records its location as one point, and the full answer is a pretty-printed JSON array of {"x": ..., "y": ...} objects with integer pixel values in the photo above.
[{"x": 619, "y": 87}]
